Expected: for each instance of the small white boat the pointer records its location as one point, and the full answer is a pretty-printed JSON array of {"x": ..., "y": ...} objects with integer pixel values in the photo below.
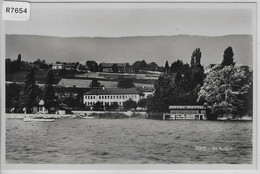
[
  {"x": 26, "y": 119},
  {"x": 88, "y": 117}
]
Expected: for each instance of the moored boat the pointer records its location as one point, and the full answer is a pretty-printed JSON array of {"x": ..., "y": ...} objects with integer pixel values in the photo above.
[
  {"x": 27, "y": 119},
  {"x": 88, "y": 117}
]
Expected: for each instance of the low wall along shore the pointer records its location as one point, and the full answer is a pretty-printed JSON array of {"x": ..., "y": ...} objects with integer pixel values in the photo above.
[
  {"x": 18, "y": 115},
  {"x": 74, "y": 113}
]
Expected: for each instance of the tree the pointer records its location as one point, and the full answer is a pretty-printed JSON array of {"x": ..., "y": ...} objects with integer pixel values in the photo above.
[
  {"x": 197, "y": 71},
  {"x": 92, "y": 65},
  {"x": 176, "y": 66},
  {"x": 113, "y": 106},
  {"x": 94, "y": 84},
  {"x": 31, "y": 91},
  {"x": 115, "y": 68},
  {"x": 128, "y": 68},
  {"x": 12, "y": 66},
  {"x": 125, "y": 82},
  {"x": 49, "y": 96},
  {"x": 161, "y": 99},
  {"x": 228, "y": 57},
  {"x": 95, "y": 67},
  {"x": 41, "y": 64},
  {"x": 225, "y": 91},
  {"x": 98, "y": 106},
  {"x": 100, "y": 68},
  {"x": 142, "y": 103},
  {"x": 13, "y": 95},
  {"x": 71, "y": 102},
  {"x": 152, "y": 66},
  {"x": 166, "y": 67},
  {"x": 195, "y": 58},
  {"x": 19, "y": 61},
  {"x": 192, "y": 62},
  {"x": 139, "y": 65},
  {"x": 129, "y": 104}
]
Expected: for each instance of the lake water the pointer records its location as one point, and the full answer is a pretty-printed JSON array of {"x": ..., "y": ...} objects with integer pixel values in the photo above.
[{"x": 128, "y": 141}]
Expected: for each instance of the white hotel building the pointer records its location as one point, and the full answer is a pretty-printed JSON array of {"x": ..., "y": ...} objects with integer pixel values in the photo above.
[{"x": 108, "y": 96}]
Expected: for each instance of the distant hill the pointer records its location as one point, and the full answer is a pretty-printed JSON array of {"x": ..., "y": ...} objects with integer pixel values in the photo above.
[{"x": 129, "y": 49}]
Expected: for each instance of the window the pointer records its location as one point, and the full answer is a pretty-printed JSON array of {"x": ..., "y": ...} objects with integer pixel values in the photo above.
[{"x": 99, "y": 97}]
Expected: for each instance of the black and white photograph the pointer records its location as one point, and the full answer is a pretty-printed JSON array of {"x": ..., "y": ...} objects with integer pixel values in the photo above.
[{"x": 131, "y": 83}]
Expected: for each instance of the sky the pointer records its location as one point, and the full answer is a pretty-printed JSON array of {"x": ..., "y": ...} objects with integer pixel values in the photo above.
[
  {"x": 126, "y": 21},
  {"x": 135, "y": 19}
]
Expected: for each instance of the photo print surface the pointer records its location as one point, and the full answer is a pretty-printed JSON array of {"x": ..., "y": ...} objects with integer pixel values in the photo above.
[{"x": 130, "y": 83}]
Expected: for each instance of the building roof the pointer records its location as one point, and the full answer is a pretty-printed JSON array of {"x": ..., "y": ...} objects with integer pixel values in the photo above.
[
  {"x": 187, "y": 107},
  {"x": 109, "y": 65},
  {"x": 109, "y": 91},
  {"x": 61, "y": 89}
]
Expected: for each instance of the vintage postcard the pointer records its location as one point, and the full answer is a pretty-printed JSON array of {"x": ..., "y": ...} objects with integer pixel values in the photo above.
[{"x": 163, "y": 85}]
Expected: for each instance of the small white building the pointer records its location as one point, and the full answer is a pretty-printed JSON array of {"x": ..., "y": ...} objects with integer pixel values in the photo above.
[
  {"x": 184, "y": 112},
  {"x": 108, "y": 96},
  {"x": 57, "y": 66},
  {"x": 39, "y": 107},
  {"x": 147, "y": 92}
]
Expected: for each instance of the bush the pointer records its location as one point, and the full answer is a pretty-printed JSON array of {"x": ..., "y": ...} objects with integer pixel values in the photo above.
[
  {"x": 130, "y": 104},
  {"x": 156, "y": 116},
  {"x": 112, "y": 115}
]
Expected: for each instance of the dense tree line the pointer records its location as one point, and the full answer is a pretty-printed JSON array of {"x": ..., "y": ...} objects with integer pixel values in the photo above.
[
  {"x": 13, "y": 66},
  {"x": 27, "y": 95},
  {"x": 226, "y": 90},
  {"x": 41, "y": 64},
  {"x": 140, "y": 66},
  {"x": 178, "y": 86}
]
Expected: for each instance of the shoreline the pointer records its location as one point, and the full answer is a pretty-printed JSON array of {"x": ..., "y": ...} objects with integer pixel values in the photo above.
[
  {"x": 95, "y": 115},
  {"x": 104, "y": 115}
]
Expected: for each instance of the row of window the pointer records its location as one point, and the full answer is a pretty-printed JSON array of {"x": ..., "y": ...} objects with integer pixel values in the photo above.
[
  {"x": 188, "y": 111},
  {"x": 104, "y": 103},
  {"x": 67, "y": 94},
  {"x": 112, "y": 97}
]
